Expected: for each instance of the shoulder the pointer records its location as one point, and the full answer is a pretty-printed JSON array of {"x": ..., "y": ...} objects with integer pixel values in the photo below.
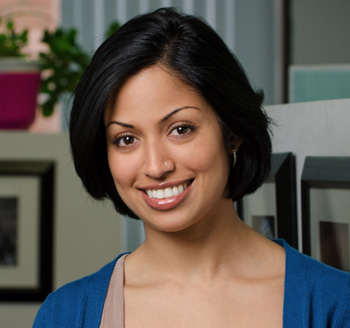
[
  {"x": 313, "y": 272},
  {"x": 318, "y": 292},
  {"x": 77, "y": 302}
]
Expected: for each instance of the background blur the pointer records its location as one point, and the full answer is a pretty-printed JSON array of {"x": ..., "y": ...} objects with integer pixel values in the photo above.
[{"x": 277, "y": 41}]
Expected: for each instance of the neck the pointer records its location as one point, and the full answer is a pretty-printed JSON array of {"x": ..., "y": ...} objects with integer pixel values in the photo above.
[{"x": 197, "y": 253}]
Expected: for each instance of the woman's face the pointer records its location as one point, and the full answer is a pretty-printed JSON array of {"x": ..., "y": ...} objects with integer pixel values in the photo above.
[{"x": 166, "y": 152}]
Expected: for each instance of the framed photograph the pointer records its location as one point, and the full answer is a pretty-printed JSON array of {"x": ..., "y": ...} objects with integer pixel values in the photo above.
[
  {"x": 325, "y": 192},
  {"x": 26, "y": 221},
  {"x": 272, "y": 210}
]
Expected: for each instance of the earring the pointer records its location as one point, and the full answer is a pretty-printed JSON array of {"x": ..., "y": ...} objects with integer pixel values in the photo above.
[
  {"x": 166, "y": 163},
  {"x": 234, "y": 157}
]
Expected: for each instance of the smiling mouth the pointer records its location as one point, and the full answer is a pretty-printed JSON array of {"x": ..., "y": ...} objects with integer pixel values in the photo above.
[{"x": 167, "y": 192}]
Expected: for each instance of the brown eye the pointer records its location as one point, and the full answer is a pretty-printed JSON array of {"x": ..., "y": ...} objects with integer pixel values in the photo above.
[
  {"x": 182, "y": 130},
  {"x": 127, "y": 140}
]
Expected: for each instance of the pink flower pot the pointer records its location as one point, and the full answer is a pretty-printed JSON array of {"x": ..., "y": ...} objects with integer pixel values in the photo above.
[{"x": 19, "y": 87}]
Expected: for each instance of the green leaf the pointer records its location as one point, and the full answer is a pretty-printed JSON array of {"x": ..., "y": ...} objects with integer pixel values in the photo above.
[
  {"x": 63, "y": 64},
  {"x": 11, "y": 42},
  {"x": 112, "y": 27}
]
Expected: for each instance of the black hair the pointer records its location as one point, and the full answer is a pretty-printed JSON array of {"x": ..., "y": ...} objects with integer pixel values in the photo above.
[{"x": 192, "y": 50}]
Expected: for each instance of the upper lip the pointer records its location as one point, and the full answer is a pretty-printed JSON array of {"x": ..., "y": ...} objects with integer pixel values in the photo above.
[{"x": 164, "y": 185}]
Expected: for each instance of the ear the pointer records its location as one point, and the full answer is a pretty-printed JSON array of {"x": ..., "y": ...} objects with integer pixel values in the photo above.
[{"x": 235, "y": 142}]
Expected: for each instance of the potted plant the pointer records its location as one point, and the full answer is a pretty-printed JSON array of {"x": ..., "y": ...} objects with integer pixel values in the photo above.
[
  {"x": 19, "y": 79},
  {"x": 60, "y": 66}
]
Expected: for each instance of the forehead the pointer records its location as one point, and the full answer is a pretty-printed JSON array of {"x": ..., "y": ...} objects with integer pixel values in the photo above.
[{"x": 153, "y": 90}]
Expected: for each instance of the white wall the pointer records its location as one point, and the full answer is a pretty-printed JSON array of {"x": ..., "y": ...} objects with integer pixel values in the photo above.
[{"x": 318, "y": 128}]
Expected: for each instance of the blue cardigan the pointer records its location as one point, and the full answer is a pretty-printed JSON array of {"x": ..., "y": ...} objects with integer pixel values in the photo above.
[{"x": 315, "y": 295}]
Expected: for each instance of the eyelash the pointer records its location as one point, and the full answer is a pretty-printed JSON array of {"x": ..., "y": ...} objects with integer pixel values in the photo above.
[
  {"x": 116, "y": 141},
  {"x": 188, "y": 126}
]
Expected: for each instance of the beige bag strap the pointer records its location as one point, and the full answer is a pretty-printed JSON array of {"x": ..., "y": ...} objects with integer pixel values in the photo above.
[{"x": 113, "y": 310}]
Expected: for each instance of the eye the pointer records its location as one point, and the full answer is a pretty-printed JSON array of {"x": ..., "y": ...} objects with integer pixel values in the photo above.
[
  {"x": 182, "y": 130},
  {"x": 124, "y": 141}
]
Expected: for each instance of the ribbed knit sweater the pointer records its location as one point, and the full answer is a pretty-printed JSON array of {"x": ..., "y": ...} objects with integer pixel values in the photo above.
[{"x": 315, "y": 296}]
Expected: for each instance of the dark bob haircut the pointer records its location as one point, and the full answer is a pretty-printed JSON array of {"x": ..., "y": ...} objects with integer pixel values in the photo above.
[{"x": 192, "y": 50}]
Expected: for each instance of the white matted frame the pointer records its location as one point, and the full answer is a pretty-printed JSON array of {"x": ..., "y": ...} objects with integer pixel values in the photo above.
[
  {"x": 30, "y": 183},
  {"x": 325, "y": 187}
]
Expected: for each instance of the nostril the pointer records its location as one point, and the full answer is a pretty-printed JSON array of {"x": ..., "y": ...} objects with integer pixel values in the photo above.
[{"x": 158, "y": 170}]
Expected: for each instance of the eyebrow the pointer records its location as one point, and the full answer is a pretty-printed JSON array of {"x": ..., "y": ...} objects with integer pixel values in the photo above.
[
  {"x": 173, "y": 112},
  {"x": 161, "y": 121},
  {"x": 125, "y": 125}
]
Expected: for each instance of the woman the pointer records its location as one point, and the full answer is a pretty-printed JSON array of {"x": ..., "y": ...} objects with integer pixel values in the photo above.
[{"x": 166, "y": 125}]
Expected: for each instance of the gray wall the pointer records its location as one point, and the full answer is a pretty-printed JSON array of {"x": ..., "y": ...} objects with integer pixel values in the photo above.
[
  {"x": 247, "y": 26},
  {"x": 320, "y": 31},
  {"x": 254, "y": 43}
]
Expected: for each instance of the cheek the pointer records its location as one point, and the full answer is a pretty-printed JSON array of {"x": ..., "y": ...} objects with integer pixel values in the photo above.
[
  {"x": 210, "y": 151},
  {"x": 208, "y": 156},
  {"x": 123, "y": 170}
]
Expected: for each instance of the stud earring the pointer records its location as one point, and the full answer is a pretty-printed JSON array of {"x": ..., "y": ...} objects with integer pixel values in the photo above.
[
  {"x": 234, "y": 157},
  {"x": 165, "y": 163}
]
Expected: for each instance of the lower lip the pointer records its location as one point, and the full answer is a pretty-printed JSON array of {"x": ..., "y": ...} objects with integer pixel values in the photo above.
[{"x": 166, "y": 203}]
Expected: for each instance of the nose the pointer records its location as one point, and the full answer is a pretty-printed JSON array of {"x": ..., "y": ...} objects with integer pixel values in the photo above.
[{"x": 157, "y": 161}]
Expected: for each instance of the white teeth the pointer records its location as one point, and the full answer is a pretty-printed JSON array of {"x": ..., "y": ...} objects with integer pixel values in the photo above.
[
  {"x": 181, "y": 189},
  {"x": 160, "y": 194},
  {"x": 167, "y": 192},
  {"x": 175, "y": 191}
]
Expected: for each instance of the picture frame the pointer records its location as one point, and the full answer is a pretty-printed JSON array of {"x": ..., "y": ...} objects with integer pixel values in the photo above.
[
  {"x": 325, "y": 195},
  {"x": 272, "y": 210},
  {"x": 26, "y": 226}
]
